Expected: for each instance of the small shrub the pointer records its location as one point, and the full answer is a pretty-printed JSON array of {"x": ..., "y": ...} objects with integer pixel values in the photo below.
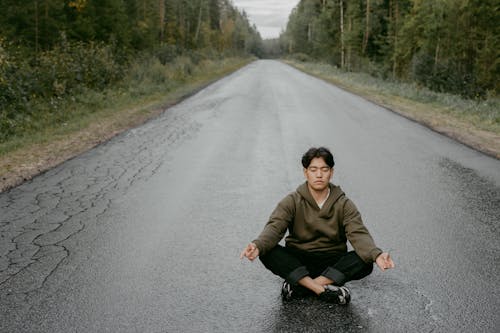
[
  {"x": 182, "y": 68},
  {"x": 166, "y": 53},
  {"x": 69, "y": 67},
  {"x": 147, "y": 70},
  {"x": 302, "y": 57},
  {"x": 45, "y": 78},
  {"x": 445, "y": 77}
]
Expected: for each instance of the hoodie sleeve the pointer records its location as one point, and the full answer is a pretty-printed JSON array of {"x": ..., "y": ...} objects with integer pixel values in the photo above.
[
  {"x": 277, "y": 225},
  {"x": 358, "y": 235}
]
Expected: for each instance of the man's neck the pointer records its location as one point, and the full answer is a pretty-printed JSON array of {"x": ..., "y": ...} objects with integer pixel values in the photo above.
[{"x": 319, "y": 196}]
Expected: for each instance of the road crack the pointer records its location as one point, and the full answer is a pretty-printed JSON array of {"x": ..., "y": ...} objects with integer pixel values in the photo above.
[{"x": 41, "y": 216}]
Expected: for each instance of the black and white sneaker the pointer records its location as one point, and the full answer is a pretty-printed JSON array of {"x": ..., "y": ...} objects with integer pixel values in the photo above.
[
  {"x": 287, "y": 292},
  {"x": 335, "y": 295}
]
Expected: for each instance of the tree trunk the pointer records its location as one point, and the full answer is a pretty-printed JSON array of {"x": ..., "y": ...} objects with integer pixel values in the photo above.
[
  {"x": 162, "y": 19},
  {"x": 436, "y": 56},
  {"x": 342, "y": 47},
  {"x": 36, "y": 29},
  {"x": 367, "y": 29},
  {"x": 197, "y": 34},
  {"x": 349, "y": 47},
  {"x": 394, "y": 58},
  {"x": 46, "y": 31}
]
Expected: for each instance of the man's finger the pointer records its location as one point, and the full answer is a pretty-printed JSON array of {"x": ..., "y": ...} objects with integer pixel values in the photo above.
[
  {"x": 389, "y": 261},
  {"x": 244, "y": 253}
]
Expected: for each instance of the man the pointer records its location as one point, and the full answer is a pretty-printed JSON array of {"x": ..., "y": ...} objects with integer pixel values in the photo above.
[{"x": 320, "y": 220}]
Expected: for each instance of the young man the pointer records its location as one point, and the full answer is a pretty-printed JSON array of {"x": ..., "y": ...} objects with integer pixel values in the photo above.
[{"x": 320, "y": 220}]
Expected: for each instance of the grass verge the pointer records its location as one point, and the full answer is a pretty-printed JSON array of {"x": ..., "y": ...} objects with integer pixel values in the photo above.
[
  {"x": 96, "y": 117},
  {"x": 473, "y": 123}
]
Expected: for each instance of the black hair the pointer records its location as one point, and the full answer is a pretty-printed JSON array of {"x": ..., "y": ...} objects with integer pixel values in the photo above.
[{"x": 322, "y": 152}]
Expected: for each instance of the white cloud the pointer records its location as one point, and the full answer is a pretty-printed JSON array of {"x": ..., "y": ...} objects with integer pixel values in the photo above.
[{"x": 270, "y": 16}]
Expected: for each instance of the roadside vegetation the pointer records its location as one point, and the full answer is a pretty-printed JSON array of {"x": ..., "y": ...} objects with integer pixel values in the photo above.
[
  {"x": 75, "y": 73},
  {"x": 437, "y": 62},
  {"x": 60, "y": 57},
  {"x": 482, "y": 113},
  {"x": 52, "y": 136},
  {"x": 450, "y": 46},
  {"x": 52, "y": 102}
]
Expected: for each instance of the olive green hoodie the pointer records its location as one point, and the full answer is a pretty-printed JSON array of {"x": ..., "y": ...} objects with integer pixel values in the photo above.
[{"x": 318, "y": 230}]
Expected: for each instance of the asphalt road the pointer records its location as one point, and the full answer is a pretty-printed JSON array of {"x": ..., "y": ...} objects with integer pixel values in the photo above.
[{"x": 143, "y": 233}]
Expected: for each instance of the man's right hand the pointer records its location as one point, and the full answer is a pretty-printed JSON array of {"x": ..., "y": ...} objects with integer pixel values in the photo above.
[{"x": 251, "y": 252}]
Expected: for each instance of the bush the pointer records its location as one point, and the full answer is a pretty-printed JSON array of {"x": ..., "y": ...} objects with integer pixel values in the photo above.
[
  {"x": 70, "y": 67},
  {"x": 51, "y": 87},
  {"x": 446, "y": 77},
  {"x": 181, "y": 68},
  {"x": 50, "y": 76},
  {"x": 166, "y": 53},
  {"x": 302, "y": 57}
]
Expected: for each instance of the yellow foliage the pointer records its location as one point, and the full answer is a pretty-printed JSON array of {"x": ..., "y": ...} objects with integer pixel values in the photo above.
[
  {"x": 4, "y": 62},
  {"x": 227, "y": 30},
  {"x": 143, "y": 25},
  {"x": 79, "y": 5},
  {"x": 3, "y": 54}
]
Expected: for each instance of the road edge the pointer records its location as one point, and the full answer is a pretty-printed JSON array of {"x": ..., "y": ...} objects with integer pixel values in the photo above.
[
  {"x": 20, "y": 176},
  {"x": 469, "y": 138}
]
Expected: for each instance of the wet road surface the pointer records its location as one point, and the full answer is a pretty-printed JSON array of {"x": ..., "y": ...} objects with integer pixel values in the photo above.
[{"x": 143, "y": 233}]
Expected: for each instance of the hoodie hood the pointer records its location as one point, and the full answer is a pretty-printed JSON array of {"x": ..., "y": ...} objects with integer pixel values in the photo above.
[{"x": 327, "y": 209}]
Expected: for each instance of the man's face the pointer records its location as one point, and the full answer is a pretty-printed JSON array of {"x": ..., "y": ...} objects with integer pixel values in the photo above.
[{"x": 318, "y": 174}]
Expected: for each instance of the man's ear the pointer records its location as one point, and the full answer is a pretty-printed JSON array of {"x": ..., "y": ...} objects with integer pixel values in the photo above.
[{"x": 331, "y": 176}]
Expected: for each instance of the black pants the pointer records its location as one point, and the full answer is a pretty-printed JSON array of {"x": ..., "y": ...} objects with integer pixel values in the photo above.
[{"x": 293, "y": 265}]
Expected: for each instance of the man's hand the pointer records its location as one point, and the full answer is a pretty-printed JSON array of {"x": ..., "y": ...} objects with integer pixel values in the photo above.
[
  {"x": 384, "y": 261},
  {"x": 251, "y": 252}
]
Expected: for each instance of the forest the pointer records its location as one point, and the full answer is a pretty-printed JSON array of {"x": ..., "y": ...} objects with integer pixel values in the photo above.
[
  {"x": 450, "y": 46},
  {"x": 52, "y": 51},
  {"x": 56, "y": 53}
]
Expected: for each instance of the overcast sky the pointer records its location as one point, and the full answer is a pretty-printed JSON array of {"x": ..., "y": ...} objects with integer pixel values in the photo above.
[{"x": 270, "y": 16}]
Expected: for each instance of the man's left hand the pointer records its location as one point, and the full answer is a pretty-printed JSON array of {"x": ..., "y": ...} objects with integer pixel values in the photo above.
[{"x": 384, "y": 261}]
